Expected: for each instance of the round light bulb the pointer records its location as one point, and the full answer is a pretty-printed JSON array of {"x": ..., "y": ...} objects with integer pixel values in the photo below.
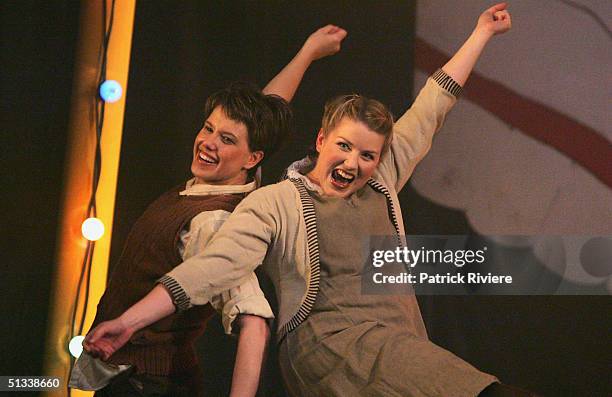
[
  {"x": 76, "y": 346},
  {"x": 92, "y": 229},
  {"x": 110, "y": 91}
]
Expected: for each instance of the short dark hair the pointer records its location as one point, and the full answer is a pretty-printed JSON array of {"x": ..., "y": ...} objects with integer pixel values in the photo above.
[{"x": 268, "y": 118}]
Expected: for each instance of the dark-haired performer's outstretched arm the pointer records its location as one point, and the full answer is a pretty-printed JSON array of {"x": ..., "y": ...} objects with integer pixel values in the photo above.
[{"x": 254, "y": 332}]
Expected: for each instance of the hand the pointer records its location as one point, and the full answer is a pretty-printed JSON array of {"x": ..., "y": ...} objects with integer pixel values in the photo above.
[
  {"x": 324, "y": 42},
  {"x": 107, "y": 338},
  {"x": 495, "y": 20}
]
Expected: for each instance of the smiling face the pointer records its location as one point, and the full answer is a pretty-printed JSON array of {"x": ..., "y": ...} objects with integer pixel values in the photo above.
[
  {"x": 348, "y": 156},
  {"x": 221, "y": 154}
]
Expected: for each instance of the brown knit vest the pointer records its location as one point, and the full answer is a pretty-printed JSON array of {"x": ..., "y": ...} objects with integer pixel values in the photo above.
[{"x": 150, "y": 251}]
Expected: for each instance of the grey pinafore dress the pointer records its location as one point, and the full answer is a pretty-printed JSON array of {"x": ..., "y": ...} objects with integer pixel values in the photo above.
[{"x": 353, "y": 344}]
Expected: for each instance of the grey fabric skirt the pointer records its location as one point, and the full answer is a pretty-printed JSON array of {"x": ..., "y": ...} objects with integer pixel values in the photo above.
[{"x": 369, "y": 359}]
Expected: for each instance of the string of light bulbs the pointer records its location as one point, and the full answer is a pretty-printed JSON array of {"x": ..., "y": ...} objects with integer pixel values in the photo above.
[{"x": 92, "y": 228}]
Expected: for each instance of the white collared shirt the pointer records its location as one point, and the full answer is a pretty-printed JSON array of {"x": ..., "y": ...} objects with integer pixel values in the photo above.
[{"x": 91, "y": 373}]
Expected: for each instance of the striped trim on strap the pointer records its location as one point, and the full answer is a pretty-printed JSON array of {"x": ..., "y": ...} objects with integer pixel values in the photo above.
[
  {"x": 447, "y": 82},
  {"x": 379, "y": 187},
  {"x": 178, "y": 294},
  {"x": 310, "y": 219}
]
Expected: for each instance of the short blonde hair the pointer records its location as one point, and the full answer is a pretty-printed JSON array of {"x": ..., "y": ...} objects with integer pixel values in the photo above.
[{"x": 370, "y": 112}]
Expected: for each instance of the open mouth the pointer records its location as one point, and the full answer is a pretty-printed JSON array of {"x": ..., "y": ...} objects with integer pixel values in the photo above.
[
  {"x": 205, "y": 158},
  {"x": 341, "y": 178}
]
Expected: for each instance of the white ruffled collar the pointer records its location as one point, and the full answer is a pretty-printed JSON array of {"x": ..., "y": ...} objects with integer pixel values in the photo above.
[{"x": 298, "y": 169}]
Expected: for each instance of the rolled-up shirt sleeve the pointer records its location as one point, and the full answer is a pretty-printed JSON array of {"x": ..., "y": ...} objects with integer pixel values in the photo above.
[
  {"x": 223, "y": 272},
  {"x": 247, "y": 298}
]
